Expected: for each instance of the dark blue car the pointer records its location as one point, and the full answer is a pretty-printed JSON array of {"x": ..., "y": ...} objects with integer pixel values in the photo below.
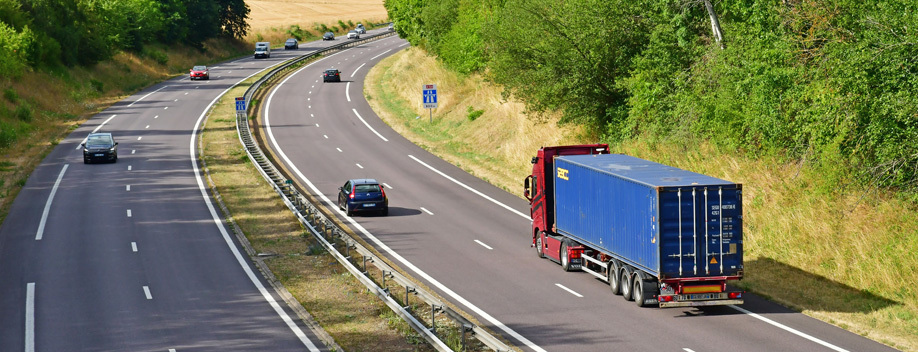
[{"x": 363, "y": 195}]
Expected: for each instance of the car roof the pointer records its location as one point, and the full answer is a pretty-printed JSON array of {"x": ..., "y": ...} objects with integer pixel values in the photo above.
[
  {"x": 99, "y": 134},
  {"x": 332, "y": 70},
  {"x": 364, "y": 181},
  {"x": 291, "y": 39}
]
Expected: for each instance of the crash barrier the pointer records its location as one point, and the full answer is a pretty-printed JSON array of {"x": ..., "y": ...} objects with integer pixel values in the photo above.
[{"x": 334, "y": 239}]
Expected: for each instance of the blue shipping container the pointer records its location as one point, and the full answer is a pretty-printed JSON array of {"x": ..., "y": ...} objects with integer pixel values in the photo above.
[{"x": 669, "y": 222}]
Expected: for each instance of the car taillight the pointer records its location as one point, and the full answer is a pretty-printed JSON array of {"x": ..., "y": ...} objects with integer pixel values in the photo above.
[
  {"x": 351, "y": 196},
  {"x": 382, "y": 191},
  {"x": 735, "y": 295}
]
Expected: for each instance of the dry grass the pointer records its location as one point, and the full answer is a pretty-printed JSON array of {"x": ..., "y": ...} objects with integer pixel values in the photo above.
[
  {"x": 271, "y": 18},
  {"x": 832, "y": 253}
]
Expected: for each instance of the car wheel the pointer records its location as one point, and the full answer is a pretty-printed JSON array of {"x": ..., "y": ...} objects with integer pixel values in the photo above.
[
  {"x": 347, "y": 210},
  {"x": 115, "y": 159},
  {"x": 85, "y": 161}
]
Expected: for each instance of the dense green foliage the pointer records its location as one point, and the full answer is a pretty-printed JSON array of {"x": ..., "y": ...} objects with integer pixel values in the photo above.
[
  {"x": 831, "y": 82},
  {"x": 83, "y": 32}
]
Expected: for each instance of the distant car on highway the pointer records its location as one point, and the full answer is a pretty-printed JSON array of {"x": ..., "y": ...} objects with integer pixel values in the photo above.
[
  {"x": 328, "y": 36},
  {"x": 331, "y": 75},
  {"x": 198, "y": 72},
  {"x": 353, "y": 35},
  {"x": 263, "y": 49},
  {"x": 360, "y": 29},
  {"x": 363, "y": 195},
  {"x": 291, "y": 44},
  {"x": 100, "y": 146},
  {"x": 391, "y": 26}
]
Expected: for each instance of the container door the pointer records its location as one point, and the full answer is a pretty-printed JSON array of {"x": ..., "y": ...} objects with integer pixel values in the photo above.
[{"x": 701, "y": 231}]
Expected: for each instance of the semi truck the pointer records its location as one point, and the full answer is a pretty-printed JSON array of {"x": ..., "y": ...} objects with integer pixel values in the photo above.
[{"x": 658, "y": 235}]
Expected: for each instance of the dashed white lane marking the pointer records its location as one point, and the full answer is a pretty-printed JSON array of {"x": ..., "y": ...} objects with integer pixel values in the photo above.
[
  {"x": 171, "y": 350},
  {"x": 387, "y": 185},
  {"x": 133, "y": 151},
  {"x": 148, "y": 94},
  {"x": 308, "y": 99},
  {"x": 325, "y": 135},
  {"x": 44, "y": 213},
  {"x": 360, "y": 166},
  {"x": 311, "y": 115},
  {"x": 30, "y": 318},
  {"x": 339, "y": 150},
  {"x": 569, "y": 290},
  {"x": 80, "y": 145},
  {"x": 165, "y": 108},
  {"x": 426, "y": 211},
  {"x": 789, "y": 329},
  {"x": 347, "y": 91},
  {"x": 484, "y": 245},
  {"x": 139, "y": 138},
  {"x": 381, "y": 54},
  {"x": 368, "y": 125},
  {"x": 134, "y": 246},
  {"x": 485, "y": 196},
  {"x": 129, "y": 213},
  {"x": 310, "y": 92},
  {"x": 156, "y": 117},
  {"x": 175, "y": 100},
  {"x": 687, "y": 350},
  {"x": 129, "y": 167},
  {"x": 128, "y": 188},
  {"x": 317, "y": 125},
  {"x": 186, "y": 93},
  {"x": 146, "y": 292},
  {"x": 309, "y": 106},
  {"x": 357, "y": 69},
  {"x": 148, "y": 126}
]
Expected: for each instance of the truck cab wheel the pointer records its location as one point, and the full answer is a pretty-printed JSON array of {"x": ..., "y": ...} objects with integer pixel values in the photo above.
[
  {"x": 627, "y": 285},
  {"x": 539, "y": 246},
  {"x": 565, "y": 261}
]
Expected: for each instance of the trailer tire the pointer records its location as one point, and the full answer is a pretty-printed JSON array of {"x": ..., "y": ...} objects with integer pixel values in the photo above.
[
  {"x": 627, "y": 284},
  {"x": 638, "y": 291},
  {"x": 645, "y": 290},
  {"x": 565, "y": 260},
  {"x": 539, "y": 245},
  {"x": 615, "y": 279}
]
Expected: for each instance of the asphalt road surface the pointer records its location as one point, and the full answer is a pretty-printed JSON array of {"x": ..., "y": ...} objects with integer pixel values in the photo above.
[
  {"x": 469, "y": 241},
  {"x": 132, "y": 256}
]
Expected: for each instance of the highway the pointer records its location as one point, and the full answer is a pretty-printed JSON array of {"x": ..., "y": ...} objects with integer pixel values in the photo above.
[
  {"x": 469, "y": 241},
  {"x": 133, "y": 256}
]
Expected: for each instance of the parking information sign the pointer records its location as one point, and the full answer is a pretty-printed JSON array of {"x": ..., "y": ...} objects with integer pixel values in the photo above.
[
  {"x": 240, "y": 104},
  {"x": 430, "y": 96}
]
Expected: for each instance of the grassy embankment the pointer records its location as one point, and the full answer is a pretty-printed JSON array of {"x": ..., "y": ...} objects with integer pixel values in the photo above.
[{"x": 838, "y": 253}]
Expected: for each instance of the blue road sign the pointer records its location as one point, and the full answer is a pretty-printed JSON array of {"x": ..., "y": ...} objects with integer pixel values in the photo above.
[
  {"x": 240, "y": 104},
  {"x": 430, "y": 96}
]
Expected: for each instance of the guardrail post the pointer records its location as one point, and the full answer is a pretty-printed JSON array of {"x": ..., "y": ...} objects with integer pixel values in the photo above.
[
  {"x": 407, "y": 291},
  {"x": 433, "y": 318}
]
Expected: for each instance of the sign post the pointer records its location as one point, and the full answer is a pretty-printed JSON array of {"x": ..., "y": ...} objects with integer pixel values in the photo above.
[{"x": 429, "y": 94}]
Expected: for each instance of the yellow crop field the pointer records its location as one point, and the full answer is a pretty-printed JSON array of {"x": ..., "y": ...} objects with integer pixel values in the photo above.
[{"x": 267, "y": 14}]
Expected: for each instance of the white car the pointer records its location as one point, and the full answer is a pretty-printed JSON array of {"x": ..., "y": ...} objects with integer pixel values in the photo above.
[
  {"x": 353, "y": 35},
  {"x": 360, "y": 29}
]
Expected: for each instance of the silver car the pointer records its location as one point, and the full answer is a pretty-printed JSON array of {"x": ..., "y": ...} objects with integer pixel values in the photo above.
[{"x": 353, "y": 35}]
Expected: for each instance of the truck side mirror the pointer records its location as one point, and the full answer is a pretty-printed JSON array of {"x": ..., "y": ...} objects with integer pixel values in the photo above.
[
  {"x": 526, "y": 188},
  {"x": 535, "y": 159}
]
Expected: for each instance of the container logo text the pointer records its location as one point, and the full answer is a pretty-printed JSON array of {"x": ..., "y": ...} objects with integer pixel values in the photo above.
[{"x": 562, "y": 174}]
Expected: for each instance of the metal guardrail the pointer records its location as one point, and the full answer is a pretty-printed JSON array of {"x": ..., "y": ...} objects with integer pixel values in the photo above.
[{"x": 321, "y": 226}]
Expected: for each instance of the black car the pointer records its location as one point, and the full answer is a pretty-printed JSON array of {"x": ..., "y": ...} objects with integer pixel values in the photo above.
[
  {"x": 363, "y": 195},
  {"x": 291, "y": 44},
  {"x": 331, "y": 75},
  {"x": 328, "y": 36},
  {"x": 100, "y": 146}
]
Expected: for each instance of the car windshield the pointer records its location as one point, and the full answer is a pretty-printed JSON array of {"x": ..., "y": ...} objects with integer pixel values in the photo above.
[
  {"x": 291, "y": 41},
  {"x": 329, "y": 34},
  {"x": 199, "y": 68},
  {"x": 99, "y": 140},
  {"x": 331, "y": 72},
  {"x": 352, "y": 31},
  {"x": 367, "y": 188}
]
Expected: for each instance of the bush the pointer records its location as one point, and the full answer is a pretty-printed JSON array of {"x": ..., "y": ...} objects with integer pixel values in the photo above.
[
  {"x": 342, "y": 24},
  {"x": 97, "y": 85},
  {"x": 474, "y": 114},
  {"x": 24, "y": 113},
  {"x": 296, "y": 32},
  {"x": 11, "y": 95},
  {"x": 158, "y": 56}
]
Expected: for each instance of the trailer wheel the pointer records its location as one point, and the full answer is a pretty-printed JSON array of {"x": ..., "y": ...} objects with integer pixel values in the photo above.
[
  {"x": 565, "y": 261},
  {"x": 539, "y": 245},
  {"x": 627, "y": 285},
  {"x": 638, "y": 291},
  {"x": 615, "y": 280}
]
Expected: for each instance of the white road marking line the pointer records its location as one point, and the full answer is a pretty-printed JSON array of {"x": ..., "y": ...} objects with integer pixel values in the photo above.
[
  {"x": 44, "y": 213},
  {"x": 146, "y": 291},
  {"x": 148, "y": 126},
  {"x": 484, "y": 245},
  {"x": 308, "y": 99},
  {"x": 569, "y": 290},
  {"x": 309, "y": 106},
  {"x": 129, "y": 167},
  {"x": 387, "y": 185},
  {"x": 426, "y": 211},
  {"x": 156, "y": 117},
  {"x": 788, "y": 329},
  {"x": 175, "y": 100},
  {"x": 134, "y": 246},
  {"x": 139, "y": 138},
  {"x": 381, "y": 54},
  {"x": 186, "y": 93},
  {"x": 317, "y": 125},
  {"x": 171, "y": 350},
  {"x": 347, "y": 91},
  {"x": 133, "y": 151},
  {"x": 358, "y": 165},
  {"x": 310, "y": 92},
  {"x": 311, "y": 115},
  {"x": 30, "y": 318},
  {"x": 166, "y": 108},
  {"x": 368, "y": 126},
  {"x": 325, "y": 135},
  {"x": 687, "y": 350},
  {"x": 129, "y": 212},
  {"x": 470, "y": 188},
  {"x": 128, "y": 188},
  {"x": 80, "y": 145},
  {"x": 148, "y": 94},
  {"x": 403, "y": 45},
  {"x": 357, "y": 69},
  {"x": 242, "y": 261},
  {"x": 339, "y": 150}
]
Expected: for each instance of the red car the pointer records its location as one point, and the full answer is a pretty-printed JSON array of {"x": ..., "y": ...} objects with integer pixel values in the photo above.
[{"x": 199, "y": 72}]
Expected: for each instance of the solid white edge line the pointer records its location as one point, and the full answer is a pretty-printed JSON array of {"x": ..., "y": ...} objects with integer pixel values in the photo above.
[
  {"x": 788, "y": 329},
  {"x": 44, "y": 213},
  {"x": 368, "y": 126},
  {"x": 356, "y": 69},
  {"x": 146, "y": 292},
  {"x": 470, "y": 188},
  {"x": 30, "y": 318},
  {"x": 383, "y": 53},
  {"x": 484, "y": 245},
  {"x": 387, "y": 185},
  {"x": 379, "y": 244},
  {"x": 226, "y": 236},
  {"x": 80, "y": 145},
  {"x": 148, "y": 94},
  {"x": 569, "y": 290},
  {"x": 347, "y": 91}
]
